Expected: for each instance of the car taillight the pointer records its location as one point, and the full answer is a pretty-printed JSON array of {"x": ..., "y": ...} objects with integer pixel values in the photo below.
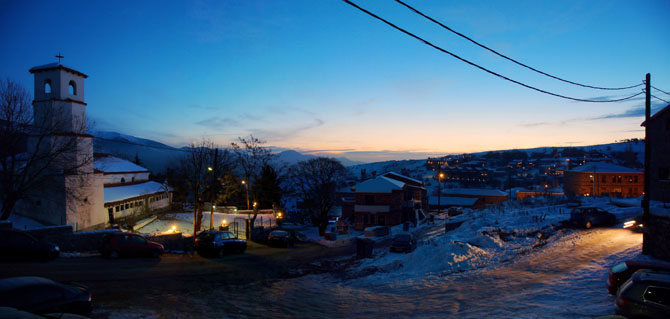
[{"x": 622, "y": 302}]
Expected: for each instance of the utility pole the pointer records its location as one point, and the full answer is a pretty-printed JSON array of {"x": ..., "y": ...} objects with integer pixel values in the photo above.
[
  {"x": 213, "y": 187},
  {"x": 647, "y": 158}
]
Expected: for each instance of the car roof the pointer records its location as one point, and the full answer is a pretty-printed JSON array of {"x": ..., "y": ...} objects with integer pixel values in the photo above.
[
  {"x": 25, "y": 281},
  {"x": 652, "y": 276}
]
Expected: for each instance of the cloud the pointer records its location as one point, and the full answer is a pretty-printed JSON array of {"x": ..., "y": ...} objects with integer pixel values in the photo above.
[
  {"x": 636, "y": 111},
  {"x": 285, "y": 133},
  {"x": 218, "y": 123},
  {"x": 534, "y": 124}
]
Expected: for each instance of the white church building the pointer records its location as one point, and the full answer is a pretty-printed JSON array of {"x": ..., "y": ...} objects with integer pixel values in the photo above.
[{"x": 107, "y": 188}]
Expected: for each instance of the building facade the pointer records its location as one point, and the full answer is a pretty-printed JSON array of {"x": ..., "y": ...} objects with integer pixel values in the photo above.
[
  {"x": 658, "y": 128},
  {"x": 603, "y": 179},
  {"x": 388, "y": 200}
]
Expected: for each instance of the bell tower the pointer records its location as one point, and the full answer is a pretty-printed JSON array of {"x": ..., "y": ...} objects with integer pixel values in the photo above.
[
  {"x": 59, "y": 114},
  {"x": 59, "y": 99}
]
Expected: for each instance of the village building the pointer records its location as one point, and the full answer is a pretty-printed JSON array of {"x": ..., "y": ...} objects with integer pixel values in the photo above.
[
  {"x": 388, "y": 200},
  {"x": 104, "y": 188},
  {"x": 658, "y": 130},
  {"x": 603, "y": 179},
  {"x": 485, "y": 196}
]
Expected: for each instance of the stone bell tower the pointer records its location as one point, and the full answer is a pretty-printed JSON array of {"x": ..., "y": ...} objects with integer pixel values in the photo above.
[{"x": 59, "y": 113}]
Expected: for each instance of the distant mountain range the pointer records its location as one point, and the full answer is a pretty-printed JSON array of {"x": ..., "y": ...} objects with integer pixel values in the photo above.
[{"x": 157, "y": 156}]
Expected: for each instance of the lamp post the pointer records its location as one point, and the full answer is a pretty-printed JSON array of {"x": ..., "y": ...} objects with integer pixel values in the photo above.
[
  {"x": 439, "y": 192},
  {"x": 247, "y": 189}
]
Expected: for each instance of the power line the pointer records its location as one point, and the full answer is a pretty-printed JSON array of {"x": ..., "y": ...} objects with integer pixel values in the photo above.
[
  {"x": 483, "y": 68},
  {"x": 657, "y": 89},
  {"x": 654, "y": 96},
  {"x": 510, "y": 59}
]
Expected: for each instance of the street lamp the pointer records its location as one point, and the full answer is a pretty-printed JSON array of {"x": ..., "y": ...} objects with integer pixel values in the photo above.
[
  {"x": 439, "y": 191},
  {"x": 247, "y": 188}
]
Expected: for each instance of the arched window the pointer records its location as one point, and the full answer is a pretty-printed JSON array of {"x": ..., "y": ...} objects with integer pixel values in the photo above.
[
  {"x": 73, "y": 88},
  {"x": 123, "y": 180},
  {"x": 47, "y": 87}
]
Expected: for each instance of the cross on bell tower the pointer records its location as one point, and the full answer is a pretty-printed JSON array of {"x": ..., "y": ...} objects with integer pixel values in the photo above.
[{"x": 59, "y": 56}]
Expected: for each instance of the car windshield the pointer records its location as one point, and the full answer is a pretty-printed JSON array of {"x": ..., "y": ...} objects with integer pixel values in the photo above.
[
  {"x": 403, "y": 237},
  {"x": 206, "y": 236}
]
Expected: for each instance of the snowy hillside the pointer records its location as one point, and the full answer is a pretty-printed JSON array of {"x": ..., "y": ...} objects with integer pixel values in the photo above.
[{"x": 153, "y": 155}]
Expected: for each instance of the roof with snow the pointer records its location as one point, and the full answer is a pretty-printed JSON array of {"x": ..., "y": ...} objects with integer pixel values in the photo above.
[
  {"x": 119, "y": 193},
  {"x": 602, "y": 167},
  {"x": 111, "y": 164},
  {"x": 380, "y": 184},
  {"x": 474, "y": 191},
  {"x": 55, "y": 65},
  {"x": 400, "y": 177},
  {"x": 453, "y": 201}
]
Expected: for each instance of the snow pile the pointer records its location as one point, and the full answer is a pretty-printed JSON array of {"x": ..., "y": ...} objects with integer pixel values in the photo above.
[{"x": 485, "y": 237}]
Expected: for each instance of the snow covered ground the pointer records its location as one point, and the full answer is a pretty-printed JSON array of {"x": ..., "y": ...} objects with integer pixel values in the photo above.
[
  {"x": 183, "y": 222},
  {"x": 498, "y": 263}
]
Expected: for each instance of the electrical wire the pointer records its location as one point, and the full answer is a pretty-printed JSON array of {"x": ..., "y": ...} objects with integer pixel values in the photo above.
[
  {"x": 483, "y": 68},
  {"x": 656, "y": 97},
  {"x": 657, "y": 89},
  {"x": 510, "y": 59}
]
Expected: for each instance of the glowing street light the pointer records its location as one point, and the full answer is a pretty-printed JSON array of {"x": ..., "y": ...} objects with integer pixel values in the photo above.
[
  {"x": 174, "y": 228},
  {"x": 247, "y": 188}
]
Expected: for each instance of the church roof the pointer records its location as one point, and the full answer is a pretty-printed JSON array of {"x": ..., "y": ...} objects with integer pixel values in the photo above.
[
  {"x": 55, "y": 66},
  {"x": 111, "y": 164},
  {"x": 119, "y": 193}
]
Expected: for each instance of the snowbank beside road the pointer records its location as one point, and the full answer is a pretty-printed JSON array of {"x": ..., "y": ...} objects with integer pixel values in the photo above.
[{"x": 487, "y": 237}]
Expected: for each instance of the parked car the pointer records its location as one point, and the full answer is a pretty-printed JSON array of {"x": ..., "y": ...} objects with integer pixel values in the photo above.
[
  {"x": 41, "y": 296},
  {"x": 219, "y": 243},
  {"x": 622, "y": 272},
  {"x": 588, "y": 217},
  {"x": 281, "y": 238},
  {"x": 117, "y": 244},
  {"x": 13, "y": 313},
  {"x": 403, "y": 243},
  {"x": 646, "y": 294},
  {"x": 19, "y": 245}
]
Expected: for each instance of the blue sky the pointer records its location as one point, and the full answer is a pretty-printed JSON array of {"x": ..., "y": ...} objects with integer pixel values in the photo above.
[{"x": 323, "y": 77}]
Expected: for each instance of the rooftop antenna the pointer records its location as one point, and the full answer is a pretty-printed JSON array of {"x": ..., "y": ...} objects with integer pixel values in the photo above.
[{"x": 59, "y": 56}]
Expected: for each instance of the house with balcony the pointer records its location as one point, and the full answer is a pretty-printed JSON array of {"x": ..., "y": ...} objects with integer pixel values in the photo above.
[{"x": 388, "y": 200}]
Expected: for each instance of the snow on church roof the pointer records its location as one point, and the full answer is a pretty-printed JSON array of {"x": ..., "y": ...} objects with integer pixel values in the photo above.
[
  {"x": 380, "y": 184},
  {"x": 110, "y": 164},
  {"x": 118, "y": 193}
]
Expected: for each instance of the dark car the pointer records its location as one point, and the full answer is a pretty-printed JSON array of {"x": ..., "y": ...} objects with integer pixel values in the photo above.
[
  {"x": 19, "y": 245},
  {"x": 218, "y": 243},
  {"x": 645, "y": 295},
  {"x": 41, "y": 295},
  {"x": 403, "y": 243},
  {"x": 116, "y": 244},
  {"x": 588, "y": 217},
  {"x": 622, "y": 272},
  {"x": 281, "y": 238}
]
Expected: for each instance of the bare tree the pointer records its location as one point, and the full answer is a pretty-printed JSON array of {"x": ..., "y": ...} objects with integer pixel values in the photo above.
[
  {"x": 316, "y": 180},
  {"x": 42, "y": 155},
  {"x": 252, "y": 156}
]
